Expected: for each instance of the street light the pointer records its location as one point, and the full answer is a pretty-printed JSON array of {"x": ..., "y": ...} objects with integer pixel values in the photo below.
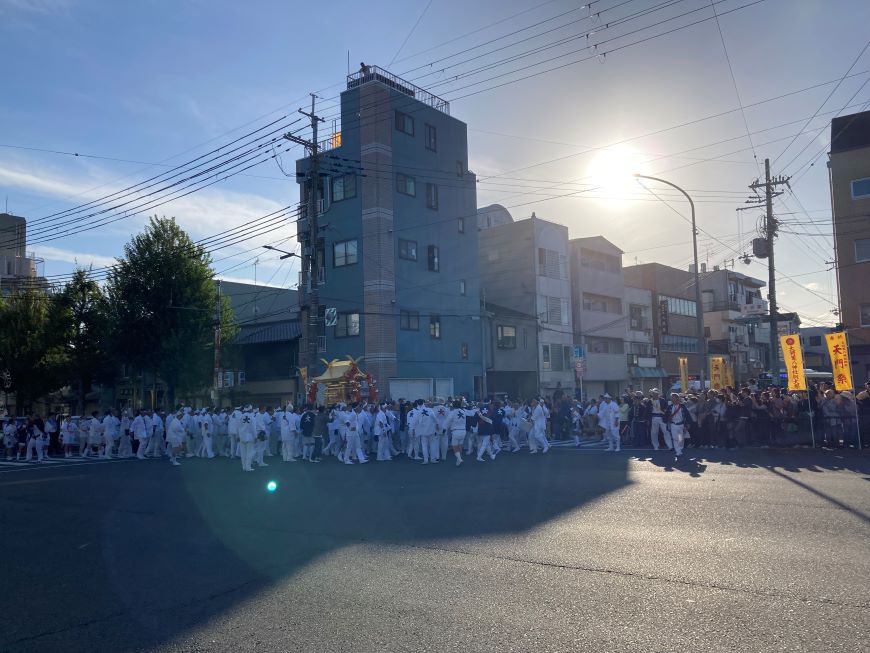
[
  {"x": 699, "y": 309},
  {"x": 286, "y": 254}
]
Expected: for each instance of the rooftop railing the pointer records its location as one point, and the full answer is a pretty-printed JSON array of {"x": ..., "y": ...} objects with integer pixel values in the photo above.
[{"x": 372, "y": 74}]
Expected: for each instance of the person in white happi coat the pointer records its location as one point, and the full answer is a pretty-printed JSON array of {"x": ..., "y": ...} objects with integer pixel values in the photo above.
[
  {"x": 233, "y": 422},
  {"x": 205, "y": 439},
  {"x": 411, "y": 432},
  {"x": 191, "y": 432},
  {"x": 111, "y": 432},
  {"x": 247, "y": 438},
  {"x": 218, "y": 431},
  {"x": 455, "y": 425},
  {"x": 334, "y": 445},
  {"x": 538, "y": 434},
  {"x": 608, "y": 421},
  {"x": 262, "y": 431},
  {"x": 393, "y": 423},
  {"x": 354, "y": 446},
  {"x": 35, "y": 438},
  {"x": 426, "y": 427},
  {"x": 156, "y": 447},
  {"x": 512, "y": 419},
  {"x": 679, "y": 420},
  {"x": 659, "y": 420},
  {"x": 175, "y": 436},
  {"x": 125, "y": 446},
  {"x": 68, "y": 433},
  {"x": 287, "y": 434},
  {"x": 441, "y": 412},
  {"x": 381, "y": 431},
  {"x": 84, "y": 433},
  {"x": 141, "y": 433}
]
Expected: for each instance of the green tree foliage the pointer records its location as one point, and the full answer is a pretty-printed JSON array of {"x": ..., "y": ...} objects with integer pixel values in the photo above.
[
  {"x": 84, "y": 311},
  {"x": 163, "y": 300},
  {"x": 31, "y": 343}
]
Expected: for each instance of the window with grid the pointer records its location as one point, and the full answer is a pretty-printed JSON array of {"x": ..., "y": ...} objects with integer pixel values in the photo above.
[
  {"x": 408, "y": 249},
  {"x": 435, "y": 327},
  {"x": 343, "y": 187},
  {"x": 553, "y": 310},
  {"x": 551, "y": 264},
  {"x": 683, "y": 344},
  {"x": 433, "y": 258},
  {"x": 431, "y": 138},
  {"x": 409, "y": 320},
  {"x": 405, "y": 123},
  {"x": 637, "y": 317},
  {"x": 432, "y": 196},
  {"x": 506, "y": 337},
  {"x": 347, "y": 325},
  {"x": 545, "y": 357},
  {"x": 344, "y": 253},
  {"x": 406, "y": 185}
]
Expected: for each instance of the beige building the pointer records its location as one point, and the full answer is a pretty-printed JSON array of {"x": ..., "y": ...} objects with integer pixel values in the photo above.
[
  {"x": 15, "y": 265},
  {"x": 849, "y": 167}
]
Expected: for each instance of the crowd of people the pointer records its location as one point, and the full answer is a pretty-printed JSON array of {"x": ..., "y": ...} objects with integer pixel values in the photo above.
[{"x": 428, "y": 431}]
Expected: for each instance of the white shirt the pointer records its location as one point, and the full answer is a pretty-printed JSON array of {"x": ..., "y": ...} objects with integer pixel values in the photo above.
[
  {"x": 608, "y": 414},
  {"x": 111, "y": 424},
  {"x": 455, "y": 421},
  {"x": 540, "y": 415},
  {"x": 247, "y": 428},
  {"x": 139, "y": 431},
  {"x": 425, "y": 422}
]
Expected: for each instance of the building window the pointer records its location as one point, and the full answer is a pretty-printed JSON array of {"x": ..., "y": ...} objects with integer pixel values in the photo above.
[
  {"x": 860, "y": 188},
  {"x": 463, "y": 351},
  {"x": 545, "y": 357},
  {"x": 406, "y": 185},
  {"x": 556, "y": 357},
  {"x": 553, "y": 310},
  {"x": 433, "y": 259},
  {"x": 599, "y": 260},
  {"x": 506, "y": 337},
  {"x": 408, "y": 249},
  {"x": 568, "y": 357},
  {"x": 409, "y": 320},
  {"x": 344, "y": 253},
  {"x": 551, "y": 264},
  {"x": 462, "y": 287},
  {"x": 431, "y": 138},
  {"x": 679, "y": 306},
  {"x": 681, "y": 344},
  {"x": 435, "y": 327},
  {"x": 595, "y": 345},
  {"x": 432, "y": 196},
  {"x": 343, "y": 187},
  {"x": 601, "y": 303},
  {"x": 862, "y": 250},
  {"x": 815, "y": 341},
  {"x": 347, "y": 325},
  {"x": 637, "y": 317},
  {"x": 460, "y": 225},
  {"x": 460, "y": 169},
  {"x": 405, "y": 123},
  {"x": 865, "y": 315}
]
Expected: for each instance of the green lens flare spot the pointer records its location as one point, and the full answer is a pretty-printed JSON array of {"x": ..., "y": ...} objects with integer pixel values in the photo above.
[{"x": 271, "y": 486}]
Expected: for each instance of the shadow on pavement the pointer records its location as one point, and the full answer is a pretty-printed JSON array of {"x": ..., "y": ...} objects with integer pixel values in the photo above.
[{"x": 139, "y": 554}]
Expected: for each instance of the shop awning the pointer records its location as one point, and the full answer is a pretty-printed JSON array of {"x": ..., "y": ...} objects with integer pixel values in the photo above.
[{"x": 647, "y": 372}]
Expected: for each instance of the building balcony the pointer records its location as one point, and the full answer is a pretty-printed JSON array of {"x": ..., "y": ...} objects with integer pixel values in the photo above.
[{"x": 376, "y": 75}]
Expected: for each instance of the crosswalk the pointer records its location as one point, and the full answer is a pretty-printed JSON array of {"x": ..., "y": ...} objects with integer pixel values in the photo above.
[{"x": 55, "y": 462}]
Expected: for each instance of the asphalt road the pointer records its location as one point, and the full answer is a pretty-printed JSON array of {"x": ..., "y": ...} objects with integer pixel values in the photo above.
[{"x": 572, "y": 551}]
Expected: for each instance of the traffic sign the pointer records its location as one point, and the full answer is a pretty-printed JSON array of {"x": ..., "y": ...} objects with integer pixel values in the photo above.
[{"x": 331, "y": 317}]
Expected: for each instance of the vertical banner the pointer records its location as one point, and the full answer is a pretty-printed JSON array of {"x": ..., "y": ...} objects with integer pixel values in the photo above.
[
  {"x": 842, "y": 368},
  {"x": 684, "y": 373},
  {"x": 729, "y": 374},
  {"x": 717, "y": 373},
  {"x": 793, "y": 356}
]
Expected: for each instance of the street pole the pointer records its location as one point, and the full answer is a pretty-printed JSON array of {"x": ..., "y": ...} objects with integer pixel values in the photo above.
[
  {"x": 699, "y": 308},
  {"x": 309, "y": 249},
  {"x": 217, "y": 345},
  {"x": 770, "y": 225}
]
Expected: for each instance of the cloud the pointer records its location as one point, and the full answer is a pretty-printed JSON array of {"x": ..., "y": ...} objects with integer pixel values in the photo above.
[
  {"x": 202, "y": 213},
  {"x": 812, "y": 285},
  {"x": 34, "y": 6},
  {"x": 81, "y": 259}
]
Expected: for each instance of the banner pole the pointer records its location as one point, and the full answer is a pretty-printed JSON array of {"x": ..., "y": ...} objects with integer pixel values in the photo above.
[{"x": 855, "y": 393}]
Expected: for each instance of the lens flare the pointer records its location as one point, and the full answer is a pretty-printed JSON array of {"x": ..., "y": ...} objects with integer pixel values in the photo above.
[{"x": 271, "y": 486}]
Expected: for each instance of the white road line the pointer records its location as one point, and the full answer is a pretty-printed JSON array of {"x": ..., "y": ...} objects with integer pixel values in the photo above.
[{"x": 27, "y": 467}]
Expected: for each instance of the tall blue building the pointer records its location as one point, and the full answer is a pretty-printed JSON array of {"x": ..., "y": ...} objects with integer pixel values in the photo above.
[{"x": 398, "y": 253}]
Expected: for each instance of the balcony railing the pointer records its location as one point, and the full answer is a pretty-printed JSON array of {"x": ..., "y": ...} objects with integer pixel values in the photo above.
[
  {"x": 321, "y": 344},
  {"x": 372, "y": 74}
]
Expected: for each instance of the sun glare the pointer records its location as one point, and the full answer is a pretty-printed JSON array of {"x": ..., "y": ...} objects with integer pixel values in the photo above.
[{"x": 611, "y": 171}]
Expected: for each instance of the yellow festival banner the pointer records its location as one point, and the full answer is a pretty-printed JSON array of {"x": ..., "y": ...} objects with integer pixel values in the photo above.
[
  {"x": 729, "y": 374},
  {"x": 793, "y": 356},
  {"x": 684, "y": 373},
  {"x": 839, "y": 351},
  {"x": 717, "y": 373}
]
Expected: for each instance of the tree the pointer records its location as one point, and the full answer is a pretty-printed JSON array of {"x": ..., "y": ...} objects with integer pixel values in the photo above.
[
  {"x": 85, "y": 311},
  {"x": 164, "y": 299},
  {"x": 30, "y": 346}
]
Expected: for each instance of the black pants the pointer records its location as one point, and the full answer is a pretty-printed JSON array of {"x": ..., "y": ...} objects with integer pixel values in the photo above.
[{"x": 318, "y": 446}]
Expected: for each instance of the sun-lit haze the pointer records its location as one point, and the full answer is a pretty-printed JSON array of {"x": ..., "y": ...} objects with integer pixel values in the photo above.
[{"x": 99, "y": 95}]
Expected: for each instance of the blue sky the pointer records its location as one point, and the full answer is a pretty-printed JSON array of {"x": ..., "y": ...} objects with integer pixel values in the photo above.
[{"x": 159, "y": 81}]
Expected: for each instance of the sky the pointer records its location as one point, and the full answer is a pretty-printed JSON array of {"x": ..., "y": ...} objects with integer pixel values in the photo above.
[{"x": 553, "y": 93}]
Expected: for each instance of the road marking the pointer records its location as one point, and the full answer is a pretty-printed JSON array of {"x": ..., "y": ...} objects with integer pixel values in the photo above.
[
  {"x": 28, "y": 467},
  {"x": 50, "y": 479}
]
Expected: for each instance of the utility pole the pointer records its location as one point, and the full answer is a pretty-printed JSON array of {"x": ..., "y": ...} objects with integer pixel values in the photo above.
[
  {"x": 770, "y": 228},
  {"x": 217, "y": 346},
  {"x": 310, "y": 295}
]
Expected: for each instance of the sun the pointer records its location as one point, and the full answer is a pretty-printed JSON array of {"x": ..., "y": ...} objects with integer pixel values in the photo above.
[{"x": 611, "y": 172}]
